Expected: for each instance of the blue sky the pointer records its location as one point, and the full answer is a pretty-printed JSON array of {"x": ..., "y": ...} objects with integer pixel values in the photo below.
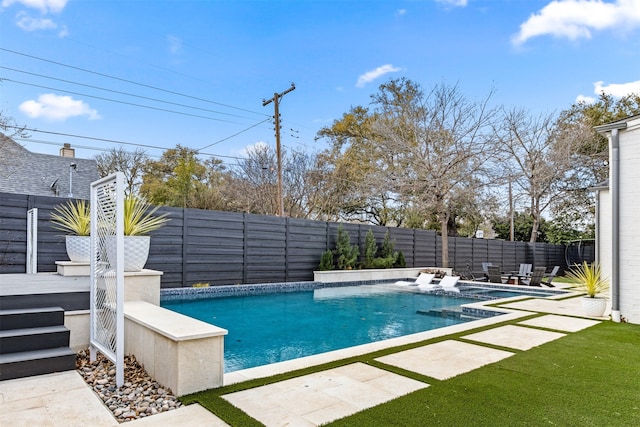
[{"x": 211, "y": 63}]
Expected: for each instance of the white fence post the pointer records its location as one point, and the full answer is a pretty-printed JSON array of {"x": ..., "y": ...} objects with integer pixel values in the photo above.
[
  {"x": 32, "y": 241},
  {"x": 107, "y": 271}
]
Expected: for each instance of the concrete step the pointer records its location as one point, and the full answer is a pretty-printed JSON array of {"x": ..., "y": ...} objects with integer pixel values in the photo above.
[
  {"x": 29, "y": 339},
  {"x": 36, "y": 362},
  {"x": 31, "y": 318},
  {"x": 70, "y": 301}
]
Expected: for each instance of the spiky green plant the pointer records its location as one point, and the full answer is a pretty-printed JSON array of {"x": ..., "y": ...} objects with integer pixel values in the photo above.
[
  {"x": 326, "y": 260},
  {"x": 370, "y": 249},
  {"x": 588, "y": 278},
  {"x": 138, "y": 219},
  {"x": 73, "y": 217}
]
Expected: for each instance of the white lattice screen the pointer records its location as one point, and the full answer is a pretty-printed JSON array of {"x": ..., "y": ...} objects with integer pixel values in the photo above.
[
  {"x": 107, "y": 271},
  {"x": 32, "y": 241}
]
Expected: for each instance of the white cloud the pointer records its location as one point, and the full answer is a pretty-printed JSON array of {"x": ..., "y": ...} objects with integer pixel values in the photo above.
[
  {"x": 28, "y": 23},
  {"x": 401, "y": 12},
  {"x": 370, "y": 76},
  {"x": 258, "y": 147},
  {"x": 456, "y": 3},
  {"x": 576, "y": 19},
  {"x": 175, "y": 44},
  {"x": 64, "y": 31},
  {"x": 57, "y": 108},
  {"x": 44, "y": 6},
  {"x": 582, "y": 99},
  {"x": 617, "y": 89}
]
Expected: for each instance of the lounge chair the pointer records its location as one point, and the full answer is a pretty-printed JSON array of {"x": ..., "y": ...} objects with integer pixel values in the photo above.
[
  {"x": 448, "y": 283},
  {"x": 424, "y": 282},
  {"x": 493, "y": 272},
  {"x": 551, "y": 276},
  {"x": 422, "y": 279},
  {"x": 536, "y": 277}
]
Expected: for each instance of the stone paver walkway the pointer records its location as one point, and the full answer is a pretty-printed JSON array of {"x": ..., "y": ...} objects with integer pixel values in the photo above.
[
  {"x": 445, "y": 359},
  {"x": 322, "y": 397},
  {"x": 64, "y": 400},
  {"x": 511, "y": 336}
]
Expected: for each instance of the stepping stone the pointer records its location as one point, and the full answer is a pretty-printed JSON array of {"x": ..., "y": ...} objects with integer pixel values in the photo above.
[
  {"x": 322, "y": 397},
  {"x": 445, "y": 359},
  {"x": 512, "y": 336},
  {"x": 560, "y": 323}
]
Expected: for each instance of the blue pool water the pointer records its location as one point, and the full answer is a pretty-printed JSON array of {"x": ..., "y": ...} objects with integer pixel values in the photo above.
[{"x": 271, "y": 328}]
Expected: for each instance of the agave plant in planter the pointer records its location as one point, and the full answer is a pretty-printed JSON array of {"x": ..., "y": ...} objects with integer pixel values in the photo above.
[
  {"x": 588, "y": 278},
  {"x": 139, "y": 221},
  {"x": 74, "y": 218}
]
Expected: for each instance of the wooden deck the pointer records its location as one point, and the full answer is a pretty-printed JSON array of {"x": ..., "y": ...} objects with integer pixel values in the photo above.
[
  {"x": 41, "y": 283},
  {"x": 44, "y": 290}
]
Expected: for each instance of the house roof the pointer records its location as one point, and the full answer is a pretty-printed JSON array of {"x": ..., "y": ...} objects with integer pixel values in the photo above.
[
  {"x": 24, "y": 172},
  {"x": 619, "y": 124}
]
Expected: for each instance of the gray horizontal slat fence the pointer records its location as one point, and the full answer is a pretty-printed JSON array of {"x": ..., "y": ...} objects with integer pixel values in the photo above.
[{"x": 230, "y": 248}]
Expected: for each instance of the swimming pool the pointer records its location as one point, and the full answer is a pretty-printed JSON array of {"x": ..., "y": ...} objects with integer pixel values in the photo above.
[
  {"x": 275, "y": 327},
  {"x": 267, "y": 326}
]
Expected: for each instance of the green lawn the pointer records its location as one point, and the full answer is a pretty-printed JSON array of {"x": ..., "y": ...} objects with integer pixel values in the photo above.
[{"x": 588, "y": 378}]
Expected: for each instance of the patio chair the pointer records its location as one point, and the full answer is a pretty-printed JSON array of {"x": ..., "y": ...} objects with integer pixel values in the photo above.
[
  {"x": 551, "y": 276},
  {"x": 525, "y": 270},
  {"x": 469, "y": 274},
  {"x": 536, "y": 277},
  {"x": 448, "y": 283},
  {"x": 493, "y": 273}
]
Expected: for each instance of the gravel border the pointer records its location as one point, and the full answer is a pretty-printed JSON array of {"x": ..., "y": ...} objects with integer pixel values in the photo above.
[{"x": 140, "y": 396}]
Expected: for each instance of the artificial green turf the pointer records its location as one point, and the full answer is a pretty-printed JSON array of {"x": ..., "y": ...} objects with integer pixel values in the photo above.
[{"x": 588, "y": 378}]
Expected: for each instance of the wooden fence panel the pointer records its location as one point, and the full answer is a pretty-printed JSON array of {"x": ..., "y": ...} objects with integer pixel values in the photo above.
[{"x": 228, "y": 248}]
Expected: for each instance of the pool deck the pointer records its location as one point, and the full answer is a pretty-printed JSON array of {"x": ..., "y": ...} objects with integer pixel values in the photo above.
[{"x": 64, "y": 399}]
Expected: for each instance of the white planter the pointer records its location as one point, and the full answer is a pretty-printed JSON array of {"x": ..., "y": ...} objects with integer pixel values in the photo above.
[
  {"x": 593, "y": 307},
  {"x": 333, "y": 276},
  {"x": 78, "y": 248},
  {"x": 136, "y": 251}
]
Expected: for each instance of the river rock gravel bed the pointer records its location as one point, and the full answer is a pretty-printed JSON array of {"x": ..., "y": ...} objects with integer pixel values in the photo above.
[{"x": 140, "y": 396}]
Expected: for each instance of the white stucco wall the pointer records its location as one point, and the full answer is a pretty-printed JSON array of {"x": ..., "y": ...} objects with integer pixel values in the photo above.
[
  {"x": 629, "y": 185},
  {"x": 604, "y": 233}
]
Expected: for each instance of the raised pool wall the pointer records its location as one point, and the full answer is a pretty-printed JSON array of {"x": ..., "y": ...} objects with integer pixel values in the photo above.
[
  {"x": 332, "y": 276},
  {"x": 184, "y": 354}
]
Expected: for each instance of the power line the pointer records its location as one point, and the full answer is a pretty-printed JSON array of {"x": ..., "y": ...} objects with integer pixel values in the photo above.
[
  {"x": 117, "y": 101},
  {"x": 122, "y": 93},
  {"x": 129, "y": 81},
  {"x": 235, "y": 134},
  {"x": 114, "y": 141}
]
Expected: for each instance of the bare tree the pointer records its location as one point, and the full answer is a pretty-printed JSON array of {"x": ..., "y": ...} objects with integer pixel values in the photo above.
[
  {"x": 435, "y": 143},
  {"x": 537, "y": 164},
  {"x": 131, "y": 164},
  {"x": 10, "y": 127},
  {"x": 254, "y": 183}
]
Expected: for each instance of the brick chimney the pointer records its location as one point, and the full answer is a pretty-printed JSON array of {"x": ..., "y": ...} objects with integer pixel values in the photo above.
[{"x": 67, "y": 151}]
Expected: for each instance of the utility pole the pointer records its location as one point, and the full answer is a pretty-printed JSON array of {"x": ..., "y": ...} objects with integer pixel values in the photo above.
[{"x": 276, "y": 115}]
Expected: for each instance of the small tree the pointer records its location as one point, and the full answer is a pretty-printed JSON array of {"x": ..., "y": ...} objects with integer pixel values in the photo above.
[
  {"x": 326, "y": 260},
  {"x": 386, "y": 249},
  {"x": 370, "y": 249},
  {"x": 401, "y": 262},
  {"x": 347, "y": 253}
]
